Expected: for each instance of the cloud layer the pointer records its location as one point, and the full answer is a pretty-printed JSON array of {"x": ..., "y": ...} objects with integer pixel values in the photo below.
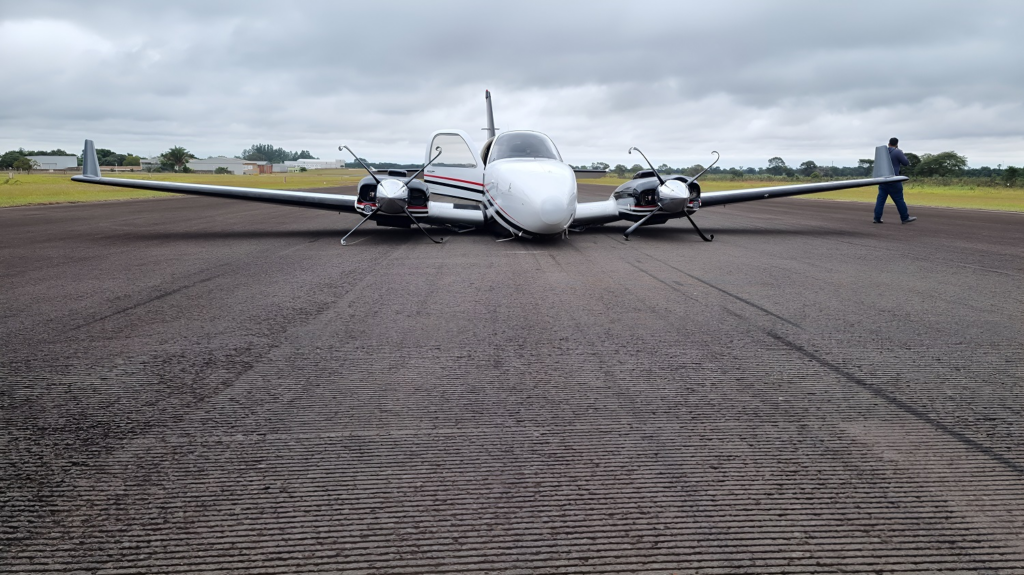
[{"x": 804, "y": 80}]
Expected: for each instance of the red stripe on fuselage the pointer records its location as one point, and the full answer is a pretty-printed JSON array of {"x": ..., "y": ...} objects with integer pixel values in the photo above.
[{"x": 455, "y": 180}]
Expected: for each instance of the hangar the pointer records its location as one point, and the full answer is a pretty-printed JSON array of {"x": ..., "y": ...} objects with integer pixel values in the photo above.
[
  {"x": 234, "y": 165},
  {"x": 54, "y": 162}
]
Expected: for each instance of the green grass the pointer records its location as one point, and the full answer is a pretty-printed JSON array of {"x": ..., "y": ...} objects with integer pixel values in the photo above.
[
  {"x": 953, "y": 196},
  {"x": 47, "y": 188}
]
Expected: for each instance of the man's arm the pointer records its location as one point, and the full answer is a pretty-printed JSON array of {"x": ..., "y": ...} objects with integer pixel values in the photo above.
[{"x": 901, "y": 157}]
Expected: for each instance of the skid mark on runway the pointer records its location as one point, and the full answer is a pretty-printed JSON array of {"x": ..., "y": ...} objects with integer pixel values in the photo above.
[
  {"x": 663, "y": 282},
  {"x": 713, "y": 286},
  {"x": 153, "y": 299},
  {"x": 898, "y": 403}
]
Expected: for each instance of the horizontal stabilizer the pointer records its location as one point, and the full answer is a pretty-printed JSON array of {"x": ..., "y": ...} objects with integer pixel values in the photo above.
[
  {"x": 883, "y": 163},
  {"x": 90, "y": 164}
]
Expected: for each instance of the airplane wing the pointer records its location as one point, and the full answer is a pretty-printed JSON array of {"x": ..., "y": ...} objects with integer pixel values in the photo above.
[
  {"x": 595, "y": 213},
  {"x": 708, "y": 199},
  {"x": 332, "y": 202}
]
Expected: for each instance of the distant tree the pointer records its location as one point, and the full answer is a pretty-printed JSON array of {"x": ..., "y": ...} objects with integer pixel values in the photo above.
[
  {"x": 636, "y": 168},
  {"x": 221, "y": 170},
  {"x": 693, "y": 170},
  {"x": 113, "y": 160},
  {"x": 807, "y": 168},
  {"x": 865, "y": 165},
  {"x": 176, "y": 159},
  {"x": 268, "y": 153},
  {"x": 131, "y": 160},
  {"x": 599, "y": 166},
  {"x": 7, "y": 160},
  {"x": 815, "y": 175},
  {"x": 1011, "y": 175},
  {"x": 620, "y": 170},
  {"x": 776, "y": 166},
  {"x": 303, "y": 169},
  {"x": 736, "y": 173},
  {"x": 25, "y": 164},
  {"x": 942, "y": 165},
  {"x": 914, "y": 160}
]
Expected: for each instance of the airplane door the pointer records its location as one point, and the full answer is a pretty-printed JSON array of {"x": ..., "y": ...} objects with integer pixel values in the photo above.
[{"x": 458, "y": 173}]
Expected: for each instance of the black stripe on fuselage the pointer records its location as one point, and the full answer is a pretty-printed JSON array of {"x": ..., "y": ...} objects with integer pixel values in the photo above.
[
  {"x": 505, "y": 221},
  {"x": 455, "y": 186}
]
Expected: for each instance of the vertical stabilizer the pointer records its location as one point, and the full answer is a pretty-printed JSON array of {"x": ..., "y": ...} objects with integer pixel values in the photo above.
[
  {"x": 490, "y": 115},
  {"x": 90, "y": 164},
  {"x": 883, "y": 163}
]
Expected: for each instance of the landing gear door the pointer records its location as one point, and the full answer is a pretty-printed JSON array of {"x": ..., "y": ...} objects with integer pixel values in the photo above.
[{"x": 458, "y": 173}]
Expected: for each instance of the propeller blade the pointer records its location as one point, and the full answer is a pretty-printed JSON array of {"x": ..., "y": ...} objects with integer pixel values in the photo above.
[
  {"x": 700, "y": 233},
  {"x": 717, "y": 157},
  {"x": 372, "y": 175},
  {"x": 370, "y": 215},
  {"x": 660, "y": 179},
  {"x": 633, "y": 227},
  {"x": 413, "y": 177},
  {"x": 440, "y": 241}
]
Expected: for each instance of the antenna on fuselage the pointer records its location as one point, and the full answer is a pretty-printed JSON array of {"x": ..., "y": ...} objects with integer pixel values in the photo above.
[{"x": 490, "y": 116}]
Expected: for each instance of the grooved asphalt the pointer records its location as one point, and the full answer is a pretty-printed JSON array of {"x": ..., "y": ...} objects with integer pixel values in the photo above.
[{"x": 192, "y": 385}]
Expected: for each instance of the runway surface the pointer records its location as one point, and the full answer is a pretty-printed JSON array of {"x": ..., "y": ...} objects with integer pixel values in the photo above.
[{"x": 193, "y": 385}]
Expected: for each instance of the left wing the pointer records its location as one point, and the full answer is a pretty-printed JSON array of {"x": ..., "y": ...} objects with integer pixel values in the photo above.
[{"x": 320, "y": 201}]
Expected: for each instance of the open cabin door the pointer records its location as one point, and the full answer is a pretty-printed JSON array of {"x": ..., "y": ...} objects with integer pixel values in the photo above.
[{"x": 458, "y": 173}]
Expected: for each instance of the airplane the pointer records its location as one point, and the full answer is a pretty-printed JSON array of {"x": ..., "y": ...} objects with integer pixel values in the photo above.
[{"x": 518, "y": 185}]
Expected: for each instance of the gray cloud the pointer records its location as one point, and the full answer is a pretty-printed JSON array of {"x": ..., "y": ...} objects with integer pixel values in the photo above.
[{"x": 805, "y": 80}]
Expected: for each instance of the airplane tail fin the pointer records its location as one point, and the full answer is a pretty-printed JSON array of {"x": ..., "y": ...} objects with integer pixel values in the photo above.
[
  {"x": 490, "y": 115},
  {"x": 883, "y": 163},
  {"x": 90, "y": 164}
]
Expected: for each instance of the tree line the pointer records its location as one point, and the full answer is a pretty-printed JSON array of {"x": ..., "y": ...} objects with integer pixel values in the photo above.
[
  {"x": 173, "y": 160},
  {"x": 941, "y": 165}
]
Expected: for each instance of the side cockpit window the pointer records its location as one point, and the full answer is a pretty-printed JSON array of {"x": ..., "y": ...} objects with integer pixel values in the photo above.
[
  {"x": 455, "y": 153},
  {"x": 523, "y": 145}
]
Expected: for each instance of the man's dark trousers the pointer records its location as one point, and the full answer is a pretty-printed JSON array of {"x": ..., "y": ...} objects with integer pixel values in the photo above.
[{"x": 892, "y": 190}]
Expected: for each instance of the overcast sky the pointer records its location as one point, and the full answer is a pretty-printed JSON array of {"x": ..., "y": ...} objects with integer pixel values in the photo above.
[{"x": 822, "y": 81}]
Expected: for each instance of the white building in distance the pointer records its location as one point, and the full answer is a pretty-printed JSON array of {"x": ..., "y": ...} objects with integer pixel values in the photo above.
[
  {"x": 234, "y": 165},
  {"x": 316, "y": 164},
  {"x": 54, "y": 162}
]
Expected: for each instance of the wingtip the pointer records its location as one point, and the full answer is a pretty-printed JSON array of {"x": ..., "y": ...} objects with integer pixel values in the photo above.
[{"x": 90, "y": 164}]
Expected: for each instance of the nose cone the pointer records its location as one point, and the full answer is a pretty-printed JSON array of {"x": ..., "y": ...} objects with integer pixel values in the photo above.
[
  {"x": 392, "y": 196},
  {"x": 537, "y": 195}
]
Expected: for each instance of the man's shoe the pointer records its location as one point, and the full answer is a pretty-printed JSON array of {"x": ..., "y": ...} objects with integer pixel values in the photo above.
[
  {"x": 910, "y": 219},
  {"x": 877, "y": 222}
]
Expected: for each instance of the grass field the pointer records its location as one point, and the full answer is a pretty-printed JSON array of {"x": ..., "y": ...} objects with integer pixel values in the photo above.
[{"x": 46, "y": 188}]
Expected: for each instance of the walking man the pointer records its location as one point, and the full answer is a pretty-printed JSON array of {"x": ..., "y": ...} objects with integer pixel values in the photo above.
[{"x": 894, "y": 190}]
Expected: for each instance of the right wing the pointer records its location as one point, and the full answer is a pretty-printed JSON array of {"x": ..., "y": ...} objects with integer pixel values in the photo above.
[
  {"x": 708, "y": 199},
  {"x": 883, "y": 173}
]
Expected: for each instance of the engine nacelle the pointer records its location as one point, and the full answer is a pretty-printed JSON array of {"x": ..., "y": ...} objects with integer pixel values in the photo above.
[
  {"x": 392, "y": 197},
  {"x": 644, "y": 194}
]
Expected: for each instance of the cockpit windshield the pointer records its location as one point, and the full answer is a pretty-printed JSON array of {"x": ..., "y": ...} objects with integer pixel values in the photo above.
[{"x": 523, "y": 145}]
